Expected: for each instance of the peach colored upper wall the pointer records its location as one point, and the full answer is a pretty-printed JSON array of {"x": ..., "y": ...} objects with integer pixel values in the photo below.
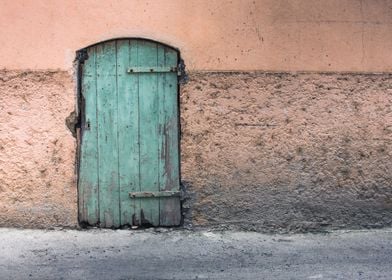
[{"x": 288, "y": 35}]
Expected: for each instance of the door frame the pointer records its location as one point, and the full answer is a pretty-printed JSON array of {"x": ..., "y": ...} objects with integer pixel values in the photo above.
[{"x": 81, "y": 56}]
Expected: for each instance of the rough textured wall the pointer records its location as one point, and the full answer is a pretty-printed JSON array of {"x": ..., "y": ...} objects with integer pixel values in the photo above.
[
  {"x": 37, "y": 151},
  {"x": 278, "y": 152},
  {"x": 260, "y": 151},
  {"x": 276, "y": 35}
]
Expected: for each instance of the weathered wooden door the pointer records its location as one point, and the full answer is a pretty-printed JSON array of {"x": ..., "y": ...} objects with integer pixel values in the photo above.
[{"x": 129, "y": 153}]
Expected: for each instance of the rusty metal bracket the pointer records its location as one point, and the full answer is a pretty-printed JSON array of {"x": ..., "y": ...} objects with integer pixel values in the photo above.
[
  {"x": 179, "y": 69},
  {"x": 81, "y": 55},
  {"x": 80, "y": 58},
  {"x": 154, "y": 194}
]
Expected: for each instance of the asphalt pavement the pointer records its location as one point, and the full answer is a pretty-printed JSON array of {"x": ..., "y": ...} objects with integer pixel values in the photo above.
[{"x": 181, "y": 254}]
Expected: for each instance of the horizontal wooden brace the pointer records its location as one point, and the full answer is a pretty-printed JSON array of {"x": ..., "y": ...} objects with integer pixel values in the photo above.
[
  {"x": 154, "y": 194},
  {"x": 162, "y": 69}
]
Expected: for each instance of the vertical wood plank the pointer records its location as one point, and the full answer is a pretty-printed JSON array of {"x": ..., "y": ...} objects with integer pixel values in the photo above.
[
  {"x": 148, "y": 132},
  {"x": 107, "y": 135},
  {"x": 170, "y": 207},
  {"x": 88, "y": 166},
  {"x": 128, "y": 132}
]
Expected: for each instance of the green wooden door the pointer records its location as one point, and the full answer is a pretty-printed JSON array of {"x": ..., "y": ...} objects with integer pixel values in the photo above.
[{"x": 129, "y": 153}]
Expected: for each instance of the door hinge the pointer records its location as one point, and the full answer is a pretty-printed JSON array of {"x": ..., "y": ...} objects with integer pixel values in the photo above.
[
  {"x": 151, "y": 69},
  {"x": 154, "y": 194},
  {"x": 81, "y": 55}
]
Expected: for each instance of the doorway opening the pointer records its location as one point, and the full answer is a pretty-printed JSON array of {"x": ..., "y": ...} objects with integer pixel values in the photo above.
[{"x": 129, "y": 158}]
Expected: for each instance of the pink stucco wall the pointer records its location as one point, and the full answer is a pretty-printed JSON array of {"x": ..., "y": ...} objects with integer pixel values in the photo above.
[
  {"x": 299, "y": 35},
  {"x": 37, "y": 151}
]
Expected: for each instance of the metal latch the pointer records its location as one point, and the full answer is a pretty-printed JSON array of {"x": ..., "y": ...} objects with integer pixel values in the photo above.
[{"x": 154, "y": 194}]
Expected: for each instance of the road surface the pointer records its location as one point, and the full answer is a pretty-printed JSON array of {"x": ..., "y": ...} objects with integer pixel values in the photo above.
[{"x": 179, "y": 254}]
